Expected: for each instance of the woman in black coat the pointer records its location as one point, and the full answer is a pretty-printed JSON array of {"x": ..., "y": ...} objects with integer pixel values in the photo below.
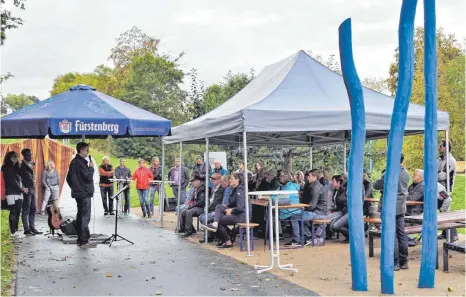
[
  {"x": 232, "y": 214},
  {"x": 13, "y": 190}
]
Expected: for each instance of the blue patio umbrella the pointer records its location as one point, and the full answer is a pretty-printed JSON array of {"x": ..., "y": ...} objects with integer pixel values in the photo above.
[{"x": 83, "y": 111}]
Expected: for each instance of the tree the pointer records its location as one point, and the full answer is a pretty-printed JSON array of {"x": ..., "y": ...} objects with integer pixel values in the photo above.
[
  {"x": 103, "y": 79},
  {"x": 450, "y": 92},
  {"x": 8, "y": 21},
  {"x": 217, "y": 94},
  {"x": 16, "y": 102},
  {"x": 196, "y": 96},
  {"x": 131, "y": 44}
]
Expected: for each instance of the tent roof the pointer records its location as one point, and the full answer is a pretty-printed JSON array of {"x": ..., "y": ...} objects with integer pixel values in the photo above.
[{"x": 297, "y": 101}]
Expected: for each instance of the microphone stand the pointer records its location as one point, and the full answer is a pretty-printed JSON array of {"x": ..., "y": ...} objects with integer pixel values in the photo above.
[{"x": 115, "y": 236}]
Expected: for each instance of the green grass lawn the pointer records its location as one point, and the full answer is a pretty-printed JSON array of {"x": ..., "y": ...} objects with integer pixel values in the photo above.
[
  {"x": 131, "y": 164},
  {"x": 8, "y": 255},
  {"x": 458, "y": 199}
]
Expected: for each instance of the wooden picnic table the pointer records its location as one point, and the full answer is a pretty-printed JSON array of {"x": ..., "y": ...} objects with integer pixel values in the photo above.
[{"x": 443, "y": 217}]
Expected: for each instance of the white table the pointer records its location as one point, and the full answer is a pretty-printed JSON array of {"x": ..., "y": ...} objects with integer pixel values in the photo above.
[{"x": 276, "y": 254}]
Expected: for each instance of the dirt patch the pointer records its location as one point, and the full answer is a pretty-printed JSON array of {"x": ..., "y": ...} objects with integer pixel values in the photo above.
[{"x": 327, "y": 269}]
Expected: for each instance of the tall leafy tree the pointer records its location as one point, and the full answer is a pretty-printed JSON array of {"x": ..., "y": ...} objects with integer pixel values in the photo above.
[{"x": 451, "y": 90}]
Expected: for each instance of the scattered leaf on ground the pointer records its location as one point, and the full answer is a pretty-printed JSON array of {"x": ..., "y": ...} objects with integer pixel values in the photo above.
[
  {"x": 234, "y": 289},
  {"x": 450, "y": 289},
  {"x": 75, "y": 286},
  {"x": 108, "y": 275},
  {"x": 158, "y": 293}
]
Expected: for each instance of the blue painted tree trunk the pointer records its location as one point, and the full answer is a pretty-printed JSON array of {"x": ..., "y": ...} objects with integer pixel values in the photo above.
[
  {"x": 429, "y": 225},
  {"x": 395, "y": 141},
  {"x": 356, "y": 159}
]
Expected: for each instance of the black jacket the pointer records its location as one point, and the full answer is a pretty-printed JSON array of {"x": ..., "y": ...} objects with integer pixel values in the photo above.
[
  {"x": 340, "y": 199},
  {"x": 199, "y": 197},
  {"x": 80, "y": 178},
  {"x": 27, "y": 177},
  {"x": 218, "y": 198},
  {"x": 12, "y": 180},
  {"x": 313, "y": 194},
  {"x": 237, "y": 202}
]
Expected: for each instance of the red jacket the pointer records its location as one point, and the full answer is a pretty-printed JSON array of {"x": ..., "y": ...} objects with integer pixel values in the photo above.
[{"x": 142, "y": 175}]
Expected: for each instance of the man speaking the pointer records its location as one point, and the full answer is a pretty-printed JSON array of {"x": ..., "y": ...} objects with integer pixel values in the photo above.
[{"x": 80, "y": 179}]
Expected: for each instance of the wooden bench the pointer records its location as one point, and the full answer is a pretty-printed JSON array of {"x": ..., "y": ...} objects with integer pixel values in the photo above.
[
  {"x": 242, "y": 228},
  {"x": 457, "y": 247},
  {"x": 409, "y": 230},
  {"x": 321, "y": 222},
  {"x": 376, "y": 221}
]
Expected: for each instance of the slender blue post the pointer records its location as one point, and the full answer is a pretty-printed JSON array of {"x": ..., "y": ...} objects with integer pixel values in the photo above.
[
  {"x": 356, "y": 159},
  {"x": 429, "y": 225},
  {"x": 395, "y": 141}
]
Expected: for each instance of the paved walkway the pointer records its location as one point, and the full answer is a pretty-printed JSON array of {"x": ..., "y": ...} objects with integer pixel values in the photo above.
[{"x": 158, "y": 263}]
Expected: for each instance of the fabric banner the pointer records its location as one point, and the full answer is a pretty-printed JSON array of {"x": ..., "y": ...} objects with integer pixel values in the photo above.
[{"x": 43, "y": 150}]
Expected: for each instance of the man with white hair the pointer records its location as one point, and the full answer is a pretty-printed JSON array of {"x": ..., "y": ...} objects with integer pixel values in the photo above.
[{"x": 415, "y": 193}]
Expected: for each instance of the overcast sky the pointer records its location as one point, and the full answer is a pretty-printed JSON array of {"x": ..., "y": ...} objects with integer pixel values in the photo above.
[{"x": 217, "y": 36}]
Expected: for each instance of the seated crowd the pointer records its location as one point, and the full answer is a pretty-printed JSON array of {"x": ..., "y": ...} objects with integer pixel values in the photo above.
[{"x": 324, "y": 192}]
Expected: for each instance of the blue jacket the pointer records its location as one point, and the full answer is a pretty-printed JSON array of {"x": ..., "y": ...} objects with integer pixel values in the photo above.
[
  {"x": 292, "y": 199},
  {"x": 226, "y": 195}
]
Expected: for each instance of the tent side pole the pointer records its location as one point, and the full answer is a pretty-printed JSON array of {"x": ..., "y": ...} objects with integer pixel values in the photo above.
[
  {"x": 344, "y": 156},
  {"x": 206, "y": 210},
  {"x": 370, "y": 156},
  {"x": 245, "y": 178},
  {"x": 162, "y": 186},
  {"x": 310, "y": 157},
  {"x": 447, "y": 148},
  {"x": 178, "y": 213}
]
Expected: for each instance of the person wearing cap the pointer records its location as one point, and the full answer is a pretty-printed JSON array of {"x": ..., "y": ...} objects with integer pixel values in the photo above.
[
  {"x": 216, "y": 198},
  {"x": 106, "y": 186},
  {"x": 200, "y": 167},
  {"x": 401, "y": 240},
  {"x": 195, "y": 209}
]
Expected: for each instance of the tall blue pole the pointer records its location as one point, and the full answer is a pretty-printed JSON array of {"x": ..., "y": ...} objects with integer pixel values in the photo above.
[
  {"x": 429, "y": 225},
  {"x": 395, "y": 141},
  {"x": 356, "y": 159}
]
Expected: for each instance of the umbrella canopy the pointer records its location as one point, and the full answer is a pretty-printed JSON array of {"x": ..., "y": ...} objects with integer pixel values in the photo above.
[{"x": 83, "y": 111}]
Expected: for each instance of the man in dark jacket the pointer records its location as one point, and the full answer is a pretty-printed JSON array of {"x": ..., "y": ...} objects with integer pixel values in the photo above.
[
  {"x": 216, "y": 198},
  {"x": 29, "y": 201},
  {"x": 401, "y": 240},
  {"x": 200, "y": 167},
  {"x": 80, "y": 178},
  {"x": 313, "y": 195},
  {"x": 195, "y": 209}
]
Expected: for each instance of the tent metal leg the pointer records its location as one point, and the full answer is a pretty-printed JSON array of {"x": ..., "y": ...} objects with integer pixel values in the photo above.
[
  {"x": 344, "y": 156},
  {"x": 310, "y": 157},
  {"x": 178, "y": 213},
  {"x": 245, "y": 160},
  {"x": 447, "y": 147},
  {"x": 162, "y": 194},
  {"x": 206, "y": 232}
]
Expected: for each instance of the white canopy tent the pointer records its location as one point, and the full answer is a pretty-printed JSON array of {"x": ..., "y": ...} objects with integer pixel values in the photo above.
[{"x": 295, "y": 102}]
